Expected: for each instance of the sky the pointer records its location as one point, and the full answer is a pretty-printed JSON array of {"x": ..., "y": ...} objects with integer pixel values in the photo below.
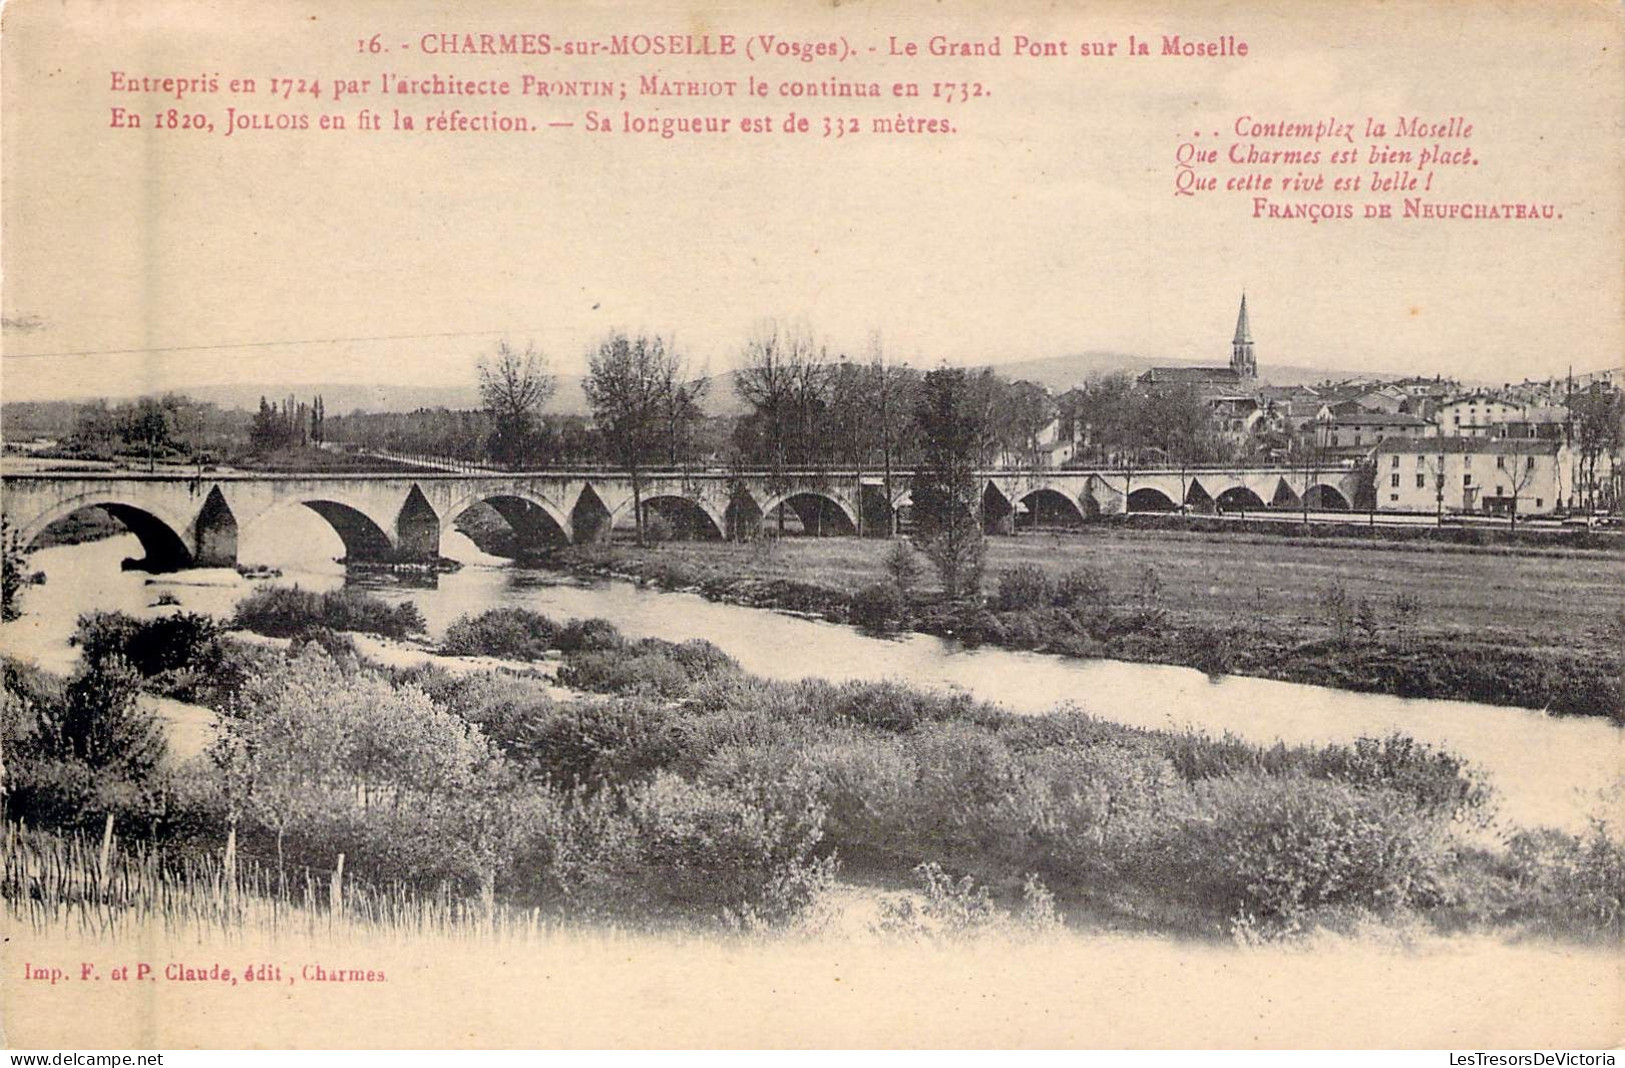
[{"x": 1046, "y": 225}]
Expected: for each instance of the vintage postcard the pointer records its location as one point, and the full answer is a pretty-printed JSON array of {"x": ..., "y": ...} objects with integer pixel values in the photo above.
[{"x": 851, "y": 524}]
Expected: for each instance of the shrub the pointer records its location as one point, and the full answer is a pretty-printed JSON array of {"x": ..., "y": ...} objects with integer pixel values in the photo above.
[
  {"x": 879, "y": 607},
  {"x": 1091, "y": 809},
  {"x": 503, "y": 706},
  {"x": 338, "y": 645},
  {"x": 650, "y": 673},
  {"x": 890, "y": 706},
  {"x": 588, "y": 635},
  {"x": 1280, "y": 847},
  {"x": 513, "y": 633},
  {"x": 1578, "y": 881},
  {"x": 903, "y": 567},
  {"x": 167, "y": 646},
  {"x": 702, "y": 659},
  {"x": 1083, "y": 587},
  {"x": 289, "y": 611},
  {"x": 679, "y": 849},
  {"x": 595, "y": 744},
  {"x": 101, "y": 723},
  {"x": 1026, "y": 586}
]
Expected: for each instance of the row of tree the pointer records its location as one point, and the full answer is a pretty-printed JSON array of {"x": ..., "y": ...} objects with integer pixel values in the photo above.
[{"x": 293, "y": 424}]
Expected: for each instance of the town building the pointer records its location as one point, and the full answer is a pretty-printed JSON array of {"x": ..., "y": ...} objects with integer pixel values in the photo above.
[
  {"x": 1356, "y": 433},
  {"x": 1471, "y": 474},
  {"x": 1475, "y": 415}
]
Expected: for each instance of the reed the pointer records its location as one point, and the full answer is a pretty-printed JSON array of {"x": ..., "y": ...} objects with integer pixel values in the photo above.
[{"x": 102, "y": 887}]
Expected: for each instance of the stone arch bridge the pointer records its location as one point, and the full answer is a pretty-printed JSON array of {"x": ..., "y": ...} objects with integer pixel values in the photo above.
[{"x": 195, "y": 521}]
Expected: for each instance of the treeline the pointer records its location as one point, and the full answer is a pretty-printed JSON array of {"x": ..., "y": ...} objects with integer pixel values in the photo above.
[
  {"x": 152, "y": 429},
  {"x": 805, "y": 406}
]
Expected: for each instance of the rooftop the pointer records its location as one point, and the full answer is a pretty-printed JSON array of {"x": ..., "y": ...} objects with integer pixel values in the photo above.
[
  {"x": 1478, "y": 446},
  {"x": 1379, "y": 419}
]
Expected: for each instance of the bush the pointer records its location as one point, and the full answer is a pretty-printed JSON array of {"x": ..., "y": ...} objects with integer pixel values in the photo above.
[
  {"x": 678, "y": 849},
  {"x": 650, "y": 673},
  {"x": 701, "y": 659},
  {"x": 598, "y": 744},
  {"x": 879, "y": 608},
  {"x": 1026, "y": 586},
  {"x": 505, "y": 707},
  {"x": 889, "y": 706},
  {"x": 589, "y": 636},
  {"x": 174, "y": 648},
  {"x": 338, "y": 645},
  {"x": 1280, "y": 847},
  {"x": 1083, "y": 587},
  {"x": 512, "y": 633},
  {"x": 289, "y": 611},
  {"x": 903, "y": 566},
  {"x": 1091, "y": 809},
  {"x": 1577, "y": 882}
]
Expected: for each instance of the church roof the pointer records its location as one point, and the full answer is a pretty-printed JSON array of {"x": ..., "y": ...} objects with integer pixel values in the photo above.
[
  {"x": 1244, "y": 333},
  {"x": 1191, "y": 374}
]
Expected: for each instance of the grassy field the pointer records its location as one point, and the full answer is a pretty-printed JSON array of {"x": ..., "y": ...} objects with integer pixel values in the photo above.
[
  {"x": 1534, "y": 598},
  {"x": 1531, "y": 627}
]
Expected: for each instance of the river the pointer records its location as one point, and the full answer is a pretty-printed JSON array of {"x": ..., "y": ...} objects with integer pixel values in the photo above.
[{"x": 1547, "y": 770}]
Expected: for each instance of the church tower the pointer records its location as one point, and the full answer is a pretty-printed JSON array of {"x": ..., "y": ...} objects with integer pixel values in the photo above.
[{"x": 1242, "y": 360}]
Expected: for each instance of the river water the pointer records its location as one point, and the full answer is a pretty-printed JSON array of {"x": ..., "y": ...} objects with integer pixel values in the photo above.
[{"x": 1548, "y": 770}]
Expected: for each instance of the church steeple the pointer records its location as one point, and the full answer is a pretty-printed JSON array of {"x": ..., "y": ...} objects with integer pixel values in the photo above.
[{"x": 1242, "y": 360}]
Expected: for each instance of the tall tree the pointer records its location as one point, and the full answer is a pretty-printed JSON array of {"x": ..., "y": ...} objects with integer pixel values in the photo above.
[
  {"x": 631, "y": 385},
  {"x": 892, "y": 397},
  {"x": 1598, "y": 415},
  {"x": 945, "y": 482},
  {"x": 781, "y": 379},
  {"x": 681, "y": 393},
  {"x": 513, "y": 387}
]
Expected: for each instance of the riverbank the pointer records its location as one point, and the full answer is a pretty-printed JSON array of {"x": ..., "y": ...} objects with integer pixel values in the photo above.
[{"x": 1525, "y": 628}]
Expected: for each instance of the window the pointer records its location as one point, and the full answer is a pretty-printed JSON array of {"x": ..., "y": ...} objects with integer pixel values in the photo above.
[
  {"x": 1530, "y": 466},
  {"x": 1395, "y": 482},
  {"x": 1499, "y": 492},
  {"x": 1467, "y": 480},
  {"x": 1500, "y": 463},
  {"x": 1540, "y": 502},
  {"x": 1396, "y": 460},
  {"x": 1393, "y": 496},
  {"x": 1467, "y": 459},
  {"x": 1420, "y": 460}
]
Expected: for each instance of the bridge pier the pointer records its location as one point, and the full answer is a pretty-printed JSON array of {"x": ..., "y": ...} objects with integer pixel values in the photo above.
[{"x": 215, "y": 533}]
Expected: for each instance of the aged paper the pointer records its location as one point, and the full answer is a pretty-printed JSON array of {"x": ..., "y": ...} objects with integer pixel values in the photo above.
[{"x": 327, "y": 233}]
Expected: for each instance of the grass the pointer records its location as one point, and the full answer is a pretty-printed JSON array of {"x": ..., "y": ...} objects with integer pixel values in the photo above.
[
  {"x": 1539, "y": 596},
  {"x": 1516, "y": 622}
]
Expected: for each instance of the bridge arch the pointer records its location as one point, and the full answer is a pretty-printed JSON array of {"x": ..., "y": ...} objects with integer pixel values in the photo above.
[
  {"x": 810, "y": 502},
  {"x": 1047, "y": 500},
  {"x": 530, "y": 516},
  {"x": 364, "y": 538},
  {"x": 686, "y": 510},
  {"x": 1326, "y": 498},
  {"x": 1239, "y": 498},
  {"x": 1150, "y": 499},
  {"x": 158, "y": 529}
]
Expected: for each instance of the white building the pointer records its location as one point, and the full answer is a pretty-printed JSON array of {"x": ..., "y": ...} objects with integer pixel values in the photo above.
[
  {"x": 1471, "y": 474},
  {"x": 1474, "y": 415}
]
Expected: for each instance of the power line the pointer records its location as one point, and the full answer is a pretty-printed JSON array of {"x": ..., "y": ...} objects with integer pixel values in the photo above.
[{"x": 255, "y": 344}]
